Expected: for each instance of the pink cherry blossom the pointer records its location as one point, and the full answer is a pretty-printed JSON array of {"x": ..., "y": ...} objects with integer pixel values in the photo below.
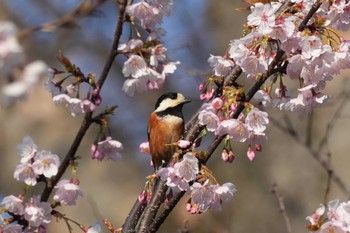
[
  {"x": 157, "y": 54},
  {"x": 217, "y": 103},
  {"x": 209, "y": 119},
  {"x": 149, "y": 15},
  {"x": 133, "y": 85},
  {"x": 316, "y": 217},
  {"x": 263, "y": 17},
  {"x": 173, "y": 181},
  {"x": 170, "y": 67},
  {"x": 202, "y": 195},
  {"x": 107, "y": 149},
  {"x": 183, "y": 144},
  {"x": 257, "y": 120},
  {"x": 24, "y": 172},
  {"x": 283, "y": 29},
  {"x": 144, "y": 147},
  {"x": 13, "y": 204},
  {"x": 254, "y": 65},
  {"x": 130, "y": 45},
  {"x": 311, "y": 46},
  {"x": 67, "y": 192},
  {"x": 234, "y": 128},
  {"x": 135, "y": 66},
  {"x": 46, "y": 163},
  {"x": 187, "y": 168},
  {"x": 37, "y": 213},
  {"x": 74, "y": 105},
  {"x": 221, "y": 66},
  {"x": 27, "y": 149},
  {"x": 11, "y": 228}
]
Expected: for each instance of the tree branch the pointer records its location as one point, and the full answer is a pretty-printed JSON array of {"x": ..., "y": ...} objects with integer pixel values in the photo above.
[{"x": 70, "y": 156}]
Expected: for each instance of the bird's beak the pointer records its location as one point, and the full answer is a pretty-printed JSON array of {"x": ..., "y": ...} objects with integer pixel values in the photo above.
[{"x": 186, "y": 101}]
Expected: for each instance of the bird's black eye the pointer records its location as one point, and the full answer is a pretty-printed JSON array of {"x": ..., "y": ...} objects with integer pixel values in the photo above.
[{"x": 173, "y": 96}]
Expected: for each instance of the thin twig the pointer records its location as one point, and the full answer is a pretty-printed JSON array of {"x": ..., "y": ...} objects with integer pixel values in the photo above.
[
  {"x": 85, "y": 8},
  {"x": 329, "y": 180},
  {"x": 316, "y": 155},
  {"x": 282, "y": 207},
  {"x": 333, "y": 119}
]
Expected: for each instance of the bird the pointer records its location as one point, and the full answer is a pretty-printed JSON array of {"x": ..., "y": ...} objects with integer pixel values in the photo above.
[{"x": 166, "y": 127}]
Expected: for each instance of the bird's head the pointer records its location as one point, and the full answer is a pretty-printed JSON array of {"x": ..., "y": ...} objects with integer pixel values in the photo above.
[{"x": 170, "y": 100}]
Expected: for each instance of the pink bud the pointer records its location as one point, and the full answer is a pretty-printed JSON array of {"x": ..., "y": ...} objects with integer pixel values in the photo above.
[
  {"x": 142, "y": 196},
  {"x": 144, "y": 147},
  {"x": 250, "y": 153},
  {"x": 201, "y": 86},
  {"x": 183, "y": 144},
  {"x": 258, "y": 147},
  {"x": 217, "y": 103}
]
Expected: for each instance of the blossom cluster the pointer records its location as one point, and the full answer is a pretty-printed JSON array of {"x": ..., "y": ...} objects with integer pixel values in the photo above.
[
  {"x": 337, "y": 218},
  {"x": 34, "y": 166},
  {"x": 248, "y": 127},
  {"x": 69, "y": 95},
  {"x": 12, "y": 59},
  {"x": 34, "y": 163},
  {"x": 311, "y": 56},
  {"x": 147, "y": 64},
  {"x": 182, "y": 176},
  {"x": 37, "y": 213}
]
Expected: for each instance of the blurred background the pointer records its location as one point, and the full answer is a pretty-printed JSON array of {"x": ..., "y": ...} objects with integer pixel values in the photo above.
[{"x": 196, "y": 29}]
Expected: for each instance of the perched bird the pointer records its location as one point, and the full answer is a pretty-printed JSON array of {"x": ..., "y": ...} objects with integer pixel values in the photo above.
[{"x": 165, "y": 127}]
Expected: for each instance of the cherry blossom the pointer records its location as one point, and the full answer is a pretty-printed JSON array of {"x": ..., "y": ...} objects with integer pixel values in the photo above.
[
  {"x": 37, "y": 213},
  {"x": 187, "y": 168},
  {"x": 234, "y": 128},
  {"x": 263, "y": 17},
  {"x": 144, "y": 147},
  {"x": 46, "y": 163},
  {"x": 221, "y": 65},
  {"x": 158, "y": 54},
  {"x": 24, "y": 172},
  {"x": 205, "y": 196},
  {"x": 135, "y": 66},
  {"x": 74, "y": 105},
  {"x": 13, "y": 204},
  {"x": 183, "y": 144},
  {"x": 257, "y": 120},
  {"x": 11, "y": 228},
  {"x": 67, "y": 192},
  {"x": 130, "y": 45},
  {"x": 27, "y": 149},
  {"x": 175, "y": 182},
  {"x": 337, "y": 220},
  {"x": 107, "y": 149},
  {"x": 209, "y": 119}
]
